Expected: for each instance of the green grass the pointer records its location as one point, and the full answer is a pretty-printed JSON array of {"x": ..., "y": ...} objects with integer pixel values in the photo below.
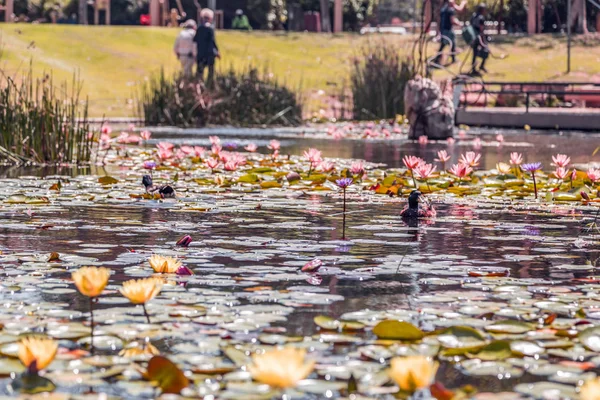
[{"x": 113, "y": 60}]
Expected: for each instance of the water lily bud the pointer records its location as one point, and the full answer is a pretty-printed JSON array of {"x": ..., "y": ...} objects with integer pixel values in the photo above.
[
  {"x": 184, "y": 241},
  {"x": 585, "y": 196},
  {"x": 183, "y": 270}
]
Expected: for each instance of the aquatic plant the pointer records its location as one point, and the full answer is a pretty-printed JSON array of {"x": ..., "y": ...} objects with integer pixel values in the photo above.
[
  {"x": 164, "y": 265},
  {"x": 590, "y": 390},
  {"x": 503, "y": 168},
  {"x": 251, "y": 147},
  {"x": 443, "y": 158},
  {"x": 531, "y": 168},
  {"x": 141, "y": 291},
  {"x": 470, "y": 158},
  {"x": 461, "y": 171},
  {"x": 412, "y": 373},
  {"x": 343, "y": 184},
  {"x": 36, "y": 353},
  {"x": 240, "y": 97},
  {"x": 561, "y": 160},
  {"x": 378, "y": 76},
  {"x": 281, "y": 368},
  {"x": 43, "y": 124},
  {"x": 91, "y": 281},
  {"x": 593, "y": 174},
  {"x": 411, "y": 162},
  {"x": 424, "y": 171},
  {"x": 184, "y": 241},
  {"x": 313, "y": 156}
]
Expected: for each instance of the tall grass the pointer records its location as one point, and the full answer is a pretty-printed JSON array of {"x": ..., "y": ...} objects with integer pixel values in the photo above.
[
  {"x": 41, "y": 123},
  {"x": 245, "y": 98},
  {"x": 377, "y": 79}
]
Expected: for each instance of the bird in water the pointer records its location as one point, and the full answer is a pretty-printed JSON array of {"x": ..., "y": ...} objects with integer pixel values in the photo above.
[
  {"x": 165, "y": 191},
  {"x": 417, "y": 207}
]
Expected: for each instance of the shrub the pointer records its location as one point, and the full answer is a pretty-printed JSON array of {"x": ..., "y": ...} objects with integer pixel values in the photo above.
[
  {"x": 239, "y": 98},
  {"x": 42, "y": 124},
  {"x": 377, "y": 79}
]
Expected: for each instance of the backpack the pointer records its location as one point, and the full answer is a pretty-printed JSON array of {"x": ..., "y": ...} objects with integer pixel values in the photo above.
[{"x": 468, "y": 34}]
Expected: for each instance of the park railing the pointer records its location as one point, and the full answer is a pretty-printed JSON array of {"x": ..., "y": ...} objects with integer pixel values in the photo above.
[{"x": 528, "y": 94}]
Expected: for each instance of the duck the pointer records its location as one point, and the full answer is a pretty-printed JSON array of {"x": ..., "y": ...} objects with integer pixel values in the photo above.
[
  {"x": 414, "y": 209},
  {"x": 165, "y": 191}
]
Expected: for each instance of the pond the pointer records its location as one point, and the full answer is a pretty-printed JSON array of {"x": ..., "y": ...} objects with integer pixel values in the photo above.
[{"x": 500, "y": 288}]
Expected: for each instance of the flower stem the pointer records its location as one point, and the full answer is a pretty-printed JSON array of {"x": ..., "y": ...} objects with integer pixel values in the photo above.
[
  {"x": 534, "y": 184},
  {"x": 146, "y": 312},
  {"x": 413, "y": 178},
  {"x": 92, "y": 325},
  {"x": 344, "y": 218}
]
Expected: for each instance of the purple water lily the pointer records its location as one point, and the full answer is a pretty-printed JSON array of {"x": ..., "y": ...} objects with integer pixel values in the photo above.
[
  {"x": 531, "y": 168},
  {"x": 344, "y": 182},
  {"x": 149, "y": 164},
  {"x": 184, "y": 241}
]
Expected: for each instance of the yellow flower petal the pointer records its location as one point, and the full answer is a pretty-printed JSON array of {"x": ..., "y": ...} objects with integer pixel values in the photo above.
[
  {"x": 91, "y": 281},
  {"x": 42, "y": 351},
  {"x": 412, "y": 373},
  {"x": 142, "y": 290},
  {"x": 281, "y": 368}
]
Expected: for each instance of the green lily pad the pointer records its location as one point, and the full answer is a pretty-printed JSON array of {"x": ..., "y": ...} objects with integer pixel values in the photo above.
[{"x": 397, "y": 330}]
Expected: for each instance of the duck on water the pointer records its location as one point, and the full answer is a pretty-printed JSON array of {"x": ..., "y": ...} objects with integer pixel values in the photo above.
[
  {"x": 165, "y": 191},
  {"x": 417, "y": 207}
]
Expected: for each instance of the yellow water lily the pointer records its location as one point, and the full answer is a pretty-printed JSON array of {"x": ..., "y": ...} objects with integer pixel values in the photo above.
[
  {"x": 412, "y": 373},
  {"x": 40, "y": 351},
  {"x": 91, "y": 281},
  {"x": 139, "y": 350},
  {"x": 141, "y": 291},
  {"x": 590, "y": 390},
  {"x": 281, "y": 368},
  {"x": 503, "y": 168},
  {"x": 164, "y": 265}
]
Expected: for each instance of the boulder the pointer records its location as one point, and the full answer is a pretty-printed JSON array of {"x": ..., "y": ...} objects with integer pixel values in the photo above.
[{"x": 430, "y": 111}]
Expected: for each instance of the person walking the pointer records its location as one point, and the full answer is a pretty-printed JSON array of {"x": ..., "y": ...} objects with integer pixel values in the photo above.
[
  {"x": 185, "y": 48},
  {"x": 240, "y": 22},
  {"x": 479, "y": 45},
  {"x": 206, "y": 46},
  {"x": 447, "y": 21}
]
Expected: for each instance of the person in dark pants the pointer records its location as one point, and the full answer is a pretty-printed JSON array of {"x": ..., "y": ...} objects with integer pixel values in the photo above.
[
  {"x": 480, "y": 47},
  {"x": 207, "y": 47},
  {"x": 447, "y": 21}
]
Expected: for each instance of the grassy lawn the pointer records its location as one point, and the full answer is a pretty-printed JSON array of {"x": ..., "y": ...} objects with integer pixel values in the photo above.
[{"x": 111, "y": 61}]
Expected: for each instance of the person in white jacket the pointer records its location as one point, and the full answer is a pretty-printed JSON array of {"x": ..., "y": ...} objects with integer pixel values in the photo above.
[{"x": 185, "y": 48}]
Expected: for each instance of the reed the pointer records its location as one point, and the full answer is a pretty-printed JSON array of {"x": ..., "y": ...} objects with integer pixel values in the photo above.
[
  {"x": 43, "y": 124},
  {"x": 378, "y": 76},
  {"x": 241, "y": 98}
]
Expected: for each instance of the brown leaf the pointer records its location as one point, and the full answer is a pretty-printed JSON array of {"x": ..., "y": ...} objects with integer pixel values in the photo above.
[{"x": 166, "y": 375}]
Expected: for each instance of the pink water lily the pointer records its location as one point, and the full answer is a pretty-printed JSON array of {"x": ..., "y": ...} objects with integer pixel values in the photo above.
[
  {"x": 423, "y": 140},
  {"x": 460, "y": 170},
  {"x": 470, "y": 158},
  {"x": 450, "y": 141},
  {"x": 516, "y": 158},
  {"x": 462, "y": 134},
  {"x": 230, "y": 166},
  {"x": 145, "y": 135},
  {"x": 561, "y": 160},
  {"x": 500, "y": 138},
  {"x": 561, "y": 173},
  {"x": 357, "y": 168},
  {"x": 313, "y": 156},
  {"x": 274, "y": 145},
  {"x": 212, "y": 163},
  {"x": 251, "y": 147},
  {"x": 238, "y": 159},
  {"x": 312, "y": 266},
  {"x": 187, "y": 150},
  {"x": 326, "y": 166},
  {"x": 105, "y": 140},
  {"x": 424, "y": 170},
  {"x": 214, "y": 140},
  {"x": 477, "y": 143},
  {"x": 593, "y": 174},
  {"x": 165, "y": 145},
  {"x": 411, "y": 162},
  {"x": 337, "y": 135},
  {"x": 106, "y": 129},
  {"x": 199, "y": 151},
  {"x": 216, "y": 149}
]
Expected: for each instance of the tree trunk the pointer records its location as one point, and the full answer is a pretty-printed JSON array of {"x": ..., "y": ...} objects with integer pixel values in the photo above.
[
  {"x": 83, "y": 15},
  {"x": 325, "y": 20}
]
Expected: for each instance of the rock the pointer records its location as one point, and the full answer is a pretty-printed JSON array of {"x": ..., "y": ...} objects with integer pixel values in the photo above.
[{"x": 430, "y": 111}]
